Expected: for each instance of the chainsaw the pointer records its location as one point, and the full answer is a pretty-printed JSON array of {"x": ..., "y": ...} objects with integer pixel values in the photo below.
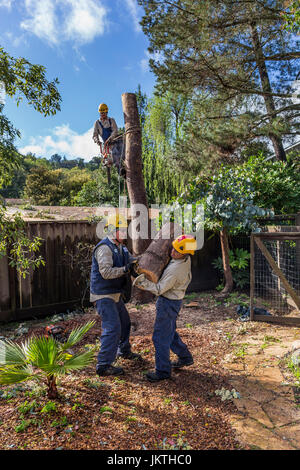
[
  {"x": 56, "y": 332},
  {"x": 106, "y": 157}
]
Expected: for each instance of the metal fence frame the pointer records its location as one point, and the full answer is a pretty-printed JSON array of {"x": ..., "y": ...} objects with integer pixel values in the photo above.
[{"x": 256, "y": 239}]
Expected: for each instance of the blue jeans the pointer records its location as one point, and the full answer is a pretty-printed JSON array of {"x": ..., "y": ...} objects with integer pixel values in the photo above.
[
  {"x": 115, "y": 330},
  {"x": 165, "y": 337}
]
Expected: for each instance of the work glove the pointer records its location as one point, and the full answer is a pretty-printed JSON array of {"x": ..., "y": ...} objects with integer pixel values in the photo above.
[
  {"x": 133, "y": 271},
  {"x": 129, "y": 266},
  {"x": 138, "y": 280}
]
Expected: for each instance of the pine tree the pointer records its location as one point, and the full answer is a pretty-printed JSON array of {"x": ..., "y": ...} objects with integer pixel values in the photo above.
[{"x": 233, "y": 51}]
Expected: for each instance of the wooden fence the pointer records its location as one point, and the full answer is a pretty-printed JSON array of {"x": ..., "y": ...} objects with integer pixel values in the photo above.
[{"x": 52, "y": 288}]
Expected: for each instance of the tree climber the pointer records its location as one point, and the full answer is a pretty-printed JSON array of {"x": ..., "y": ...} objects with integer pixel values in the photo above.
[
  {"x": 105, "y": 130},
  {"x": 170, "y": 290}
]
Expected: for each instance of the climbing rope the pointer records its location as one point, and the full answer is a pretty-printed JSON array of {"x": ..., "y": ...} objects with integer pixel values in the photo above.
[{"x": 108, "y": 160}]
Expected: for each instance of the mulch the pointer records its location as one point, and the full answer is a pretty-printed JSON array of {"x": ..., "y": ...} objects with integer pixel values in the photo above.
[{"x": 128, "y": 412}]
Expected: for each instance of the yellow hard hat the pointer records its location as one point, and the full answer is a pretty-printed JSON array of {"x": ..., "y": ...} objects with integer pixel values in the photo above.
[
  {"x": 117, "y": 221},
  {"x": 185, "y": 244},
  {"x": 103, "y": 108}
]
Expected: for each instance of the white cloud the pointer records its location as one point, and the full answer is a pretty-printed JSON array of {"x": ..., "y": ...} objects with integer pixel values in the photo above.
[
  {"x": 85, "y": 21},
  {"x": 42, "y": 20},
  {"x": 6, "y": 3},
  {"x": 56, "y": 21},
  {"x": 16, "y": 41},
  {"x": 63, "y": 141},
  {"x": 133, "y": 8}
]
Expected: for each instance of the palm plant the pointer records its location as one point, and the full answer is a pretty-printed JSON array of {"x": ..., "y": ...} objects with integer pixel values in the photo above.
[{"x": 43, "y": 359}]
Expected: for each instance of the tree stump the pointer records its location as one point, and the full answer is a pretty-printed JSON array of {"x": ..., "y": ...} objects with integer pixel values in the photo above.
[{"x": 153, "y": 261}]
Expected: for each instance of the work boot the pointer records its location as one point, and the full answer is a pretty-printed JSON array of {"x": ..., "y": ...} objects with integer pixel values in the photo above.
[
  {"x": 181, "y": 363},
  {"x": 153, "y": 377},
  {"x": 130, "y": 356},
  {"x": 109, "y": 370}
]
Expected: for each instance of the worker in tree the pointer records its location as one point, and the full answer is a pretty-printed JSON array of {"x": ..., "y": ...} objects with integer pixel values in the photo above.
[
  {"x": 170, "y": 290},
  {"x": 105, "y": 130},
  {"x": 110, "y": 262}
]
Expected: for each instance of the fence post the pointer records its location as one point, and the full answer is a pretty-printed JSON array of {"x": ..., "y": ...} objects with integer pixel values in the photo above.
[
  {"x": 13, "y": 291},
  {"x": 297, "y": 222}
]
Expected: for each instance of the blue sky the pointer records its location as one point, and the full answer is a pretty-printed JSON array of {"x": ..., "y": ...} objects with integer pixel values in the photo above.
[{"x": 96, "y": 49}]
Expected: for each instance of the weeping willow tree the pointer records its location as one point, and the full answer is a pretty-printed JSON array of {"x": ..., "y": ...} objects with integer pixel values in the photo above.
[{"x": 162, "y": 120}]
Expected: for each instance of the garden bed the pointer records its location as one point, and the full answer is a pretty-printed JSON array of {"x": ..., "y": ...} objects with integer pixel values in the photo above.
[{"x": 128, "y": 412}]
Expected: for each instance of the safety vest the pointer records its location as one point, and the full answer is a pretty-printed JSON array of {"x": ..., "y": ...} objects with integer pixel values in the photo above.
[{"x": 99, "y": 285}]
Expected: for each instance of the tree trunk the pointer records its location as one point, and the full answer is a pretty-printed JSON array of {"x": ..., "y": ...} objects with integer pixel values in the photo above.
[
  {"x": 225, "y": 258},
  {"x": 133, "y": 164},
  {"x": 52, "y": 392},
  {"x": 266, "y": 88},
  {"x": 134, "y": 178},
  {"x": 157, "y": 255}
]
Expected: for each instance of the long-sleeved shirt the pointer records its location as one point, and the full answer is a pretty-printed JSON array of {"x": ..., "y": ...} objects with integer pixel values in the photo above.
[
  {"x": 98, "y": 129},
  {"x": 104, "y": 258},
  {"x": 174, "y": 280}
]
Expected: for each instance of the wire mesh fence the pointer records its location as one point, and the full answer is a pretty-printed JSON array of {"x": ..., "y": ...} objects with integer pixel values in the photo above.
[{"x": 275, "y": 273}]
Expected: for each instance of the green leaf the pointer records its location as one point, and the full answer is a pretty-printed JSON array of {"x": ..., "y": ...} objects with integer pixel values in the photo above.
[
  {"x": 77, "y": 334},
  {"x": 11, "y": 375},
  {"x": 12, "y": 354},
  {"x": 78, "y": 361},
  {"x": 42, "y": 352}
]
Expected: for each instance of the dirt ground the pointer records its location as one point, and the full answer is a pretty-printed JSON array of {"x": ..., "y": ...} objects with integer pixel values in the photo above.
[
  {"x": 128, "y": 412},
  {"x": 31, "y": 212}
]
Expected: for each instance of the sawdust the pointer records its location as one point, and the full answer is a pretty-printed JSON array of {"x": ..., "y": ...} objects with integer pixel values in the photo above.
[{"x": 128, "y": 412}]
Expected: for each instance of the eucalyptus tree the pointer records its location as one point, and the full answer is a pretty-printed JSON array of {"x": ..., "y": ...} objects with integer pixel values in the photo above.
[{"x": 228, "y": 198}]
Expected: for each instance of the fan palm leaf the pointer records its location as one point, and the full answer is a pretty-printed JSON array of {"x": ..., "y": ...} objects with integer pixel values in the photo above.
[
  {"x": 77, "y": 334},
  {"x": 43, "y": 353},
  {"x": 76, "y": 362},
  {"x": 51, "y": 358},
  {"x": 12, "y": 353},
  {"x": 11, "y": 375}
]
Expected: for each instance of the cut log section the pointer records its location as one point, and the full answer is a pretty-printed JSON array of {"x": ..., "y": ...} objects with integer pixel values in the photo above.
[{"x": 153, "y": 261}]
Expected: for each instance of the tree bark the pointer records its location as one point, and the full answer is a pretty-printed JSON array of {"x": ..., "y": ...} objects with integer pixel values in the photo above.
[
  {"x": 134, "y": 178},
  {"x": 225, "y": 258},
  {"x": 52, "y": 392},
  {"x": 133, "y": 164},
  {"x": 156, "y": 257},
  {"x": 266, "y": 88}
]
